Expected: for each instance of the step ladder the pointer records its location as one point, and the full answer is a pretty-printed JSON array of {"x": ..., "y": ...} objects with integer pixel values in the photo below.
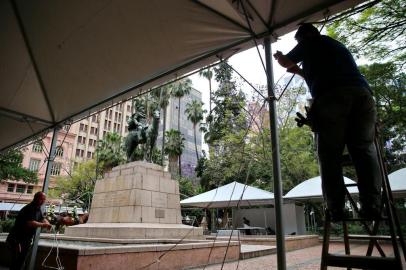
[{"x": 388, "y": 216}]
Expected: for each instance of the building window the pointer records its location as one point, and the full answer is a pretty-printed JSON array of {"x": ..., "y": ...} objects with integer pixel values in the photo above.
[
  {"x": 94, "y": 118},
  {"x": 59, "y": 151},
  {"x": 116, "y": 116},
  {"x": 128, "y": 108},
  {"x": 89, "y": 154},
  {"x": 77, "y": 152},
  {"x": 20, "y": 189},
  {"x": 56, "y": 168},
  {"x": 83, "y": 127},
  {"x": 37, "y": 147},
  {"x": 10, "y": 188},
  {"x": 30, "y": 189},
  {"x": 34, "y": 165}
]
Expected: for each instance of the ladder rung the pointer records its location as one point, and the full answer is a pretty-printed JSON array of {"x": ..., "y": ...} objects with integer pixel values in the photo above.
[
  {"x": 370, "y": 237},
  {"x": 356, "y": 261},
  {"x": 351, "y": 185},
  {"x": 364, "y": 219}
]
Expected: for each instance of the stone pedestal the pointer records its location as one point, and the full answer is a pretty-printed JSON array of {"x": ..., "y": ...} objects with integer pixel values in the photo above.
[{"x": 135, "y": 200}]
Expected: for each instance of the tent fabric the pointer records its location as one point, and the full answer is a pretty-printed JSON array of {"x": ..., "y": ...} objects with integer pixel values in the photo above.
[
  {"x": 311, "y": 189},
  {"x": 11, "y": 206},
  {"x": 63, "y": 60},
  {"x": 230, "y": 195},
  {"x": 397, "y": 181}
]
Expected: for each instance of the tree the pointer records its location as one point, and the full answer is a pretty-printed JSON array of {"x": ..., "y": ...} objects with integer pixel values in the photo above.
[
  {"x": 173, "y": 148},
  {"x": 208, "y": 74},
  {"x": 297, "y": 155},
  {"x": 195, "y": 111},
  {"x": 164, "y": 97},
  {"x": 11, "y": 167},
  {"x": 110, "y": 151},
  {"x": 377, "y": 33},
  {"x": 388, "y": 85},
  {"x": 180, "y": 89},
  {"x": 78, "y": 186}
]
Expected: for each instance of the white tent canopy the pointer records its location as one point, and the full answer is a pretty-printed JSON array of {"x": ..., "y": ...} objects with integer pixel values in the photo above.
[
  {"x": 62, "y": 60},
  {"x": 311, "y": 189},
  {"x": 397, "y": 181},
  {"x": 230, "y": 195}
]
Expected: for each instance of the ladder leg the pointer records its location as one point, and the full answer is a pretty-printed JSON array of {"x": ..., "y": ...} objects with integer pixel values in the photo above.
[
  {"x": 326, "y": 241},
  {"x": 387, "y": 196},
  {"x": 346, "y": 240}
]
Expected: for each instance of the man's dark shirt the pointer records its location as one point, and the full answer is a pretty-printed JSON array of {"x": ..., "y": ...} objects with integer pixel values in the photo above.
[
  {"x": 327, "y": 64},
  {"x": 20, "y": 231}
]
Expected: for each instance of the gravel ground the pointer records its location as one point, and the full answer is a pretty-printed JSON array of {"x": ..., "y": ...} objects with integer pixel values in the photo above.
[{"x": 303, "y": 259}]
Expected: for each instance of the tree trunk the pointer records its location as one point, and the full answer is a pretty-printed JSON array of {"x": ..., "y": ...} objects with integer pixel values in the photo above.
[
  {"x": 180, "y": 156},
  {"x": 194, "y": 135},
  {"x": 163, "y": 135},
  {"x": 173, "y": 160}
]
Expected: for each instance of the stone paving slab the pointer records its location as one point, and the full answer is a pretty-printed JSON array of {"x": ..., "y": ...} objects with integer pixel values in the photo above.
[
  {"x": 303, "y": 259},
  {"x": 252, "y": 251}
]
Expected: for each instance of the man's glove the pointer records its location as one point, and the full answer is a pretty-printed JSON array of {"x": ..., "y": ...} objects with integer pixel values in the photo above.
[{"x": 302, "y": 120}]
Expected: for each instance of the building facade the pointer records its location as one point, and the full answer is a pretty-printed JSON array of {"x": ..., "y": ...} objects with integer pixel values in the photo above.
[{"x": 35, "y": 159}]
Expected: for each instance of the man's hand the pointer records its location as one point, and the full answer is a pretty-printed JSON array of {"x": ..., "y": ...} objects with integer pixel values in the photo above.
[
  {"x": 302, "y": 120},
  {"x": 296, "y": 70},
  {"x": 277, "y": 55},
  {"x": 283, "y": 60}
]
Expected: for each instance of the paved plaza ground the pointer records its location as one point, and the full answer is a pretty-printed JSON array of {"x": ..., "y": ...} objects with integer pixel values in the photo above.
[{"x": 303, "y": 259}]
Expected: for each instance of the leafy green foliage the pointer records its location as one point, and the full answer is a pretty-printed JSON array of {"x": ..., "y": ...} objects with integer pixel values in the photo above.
[
  {"x": 377, "y": 33},
  {"x": 79, "y": 185},
  {"x": 174, "y": 145},
  {"x": 6, "y": 225},
  {"x": 110, "y": 151},
  {"x": 11, "y": 167},
  {"x": 388, "y": 85},
  {"x": 298, "y": 157},
  {"x": 195, "y": 111}
]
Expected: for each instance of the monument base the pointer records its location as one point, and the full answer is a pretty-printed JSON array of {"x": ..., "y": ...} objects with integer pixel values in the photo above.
[
  {"x": 137, "y": 200},
  {"x": 135, "y": 231}
]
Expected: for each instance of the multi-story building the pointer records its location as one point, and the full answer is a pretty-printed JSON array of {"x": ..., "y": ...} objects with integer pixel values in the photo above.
[
  {"x": 188, "y": 160},
  {"x": 35, "y": 159}
]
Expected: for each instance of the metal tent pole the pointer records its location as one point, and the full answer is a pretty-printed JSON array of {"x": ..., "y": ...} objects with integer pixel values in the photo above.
[
  {"x": 280, "y": 233},
  {"x": 45, "y": 190}
]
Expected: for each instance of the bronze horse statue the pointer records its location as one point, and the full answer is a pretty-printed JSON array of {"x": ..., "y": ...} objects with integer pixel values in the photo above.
[{"x": 141, "y": 133}]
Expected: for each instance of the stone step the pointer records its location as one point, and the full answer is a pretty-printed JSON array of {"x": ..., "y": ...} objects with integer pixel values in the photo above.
[{"x": 252, "y": 251}]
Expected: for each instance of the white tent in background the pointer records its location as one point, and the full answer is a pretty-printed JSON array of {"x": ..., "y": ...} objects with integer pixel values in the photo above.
[
  {"x": 311, "y": 189},
  {"x": 397, "y": 181},
  {"x": 229, "y": 196}
]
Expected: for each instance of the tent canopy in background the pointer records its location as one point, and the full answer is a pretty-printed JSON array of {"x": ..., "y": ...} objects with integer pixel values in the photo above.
[
  {"x": 311, "y": 189},
  {"x": 229, "y": 196},
  {"x": 63, "y": 60},
  {"x": 397, "y": 182}
]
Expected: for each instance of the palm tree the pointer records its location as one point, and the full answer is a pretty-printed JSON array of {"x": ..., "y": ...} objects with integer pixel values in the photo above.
[
  {"x": 181, "y": 89},
  {"x": 110, "y": 151},
  {"x": 208, "y": 74},
  {"x": 195, "y": 111},
  {"x": 164, "y": 94},
  {"x": 173, "y": 148}
]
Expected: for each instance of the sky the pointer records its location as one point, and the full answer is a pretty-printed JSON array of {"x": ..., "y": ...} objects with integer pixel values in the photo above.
[{"x": 248, "y": 64}]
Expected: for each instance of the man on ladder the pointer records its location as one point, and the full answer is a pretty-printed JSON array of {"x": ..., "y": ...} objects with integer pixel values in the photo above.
[{"x": 342, "y": 114}]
